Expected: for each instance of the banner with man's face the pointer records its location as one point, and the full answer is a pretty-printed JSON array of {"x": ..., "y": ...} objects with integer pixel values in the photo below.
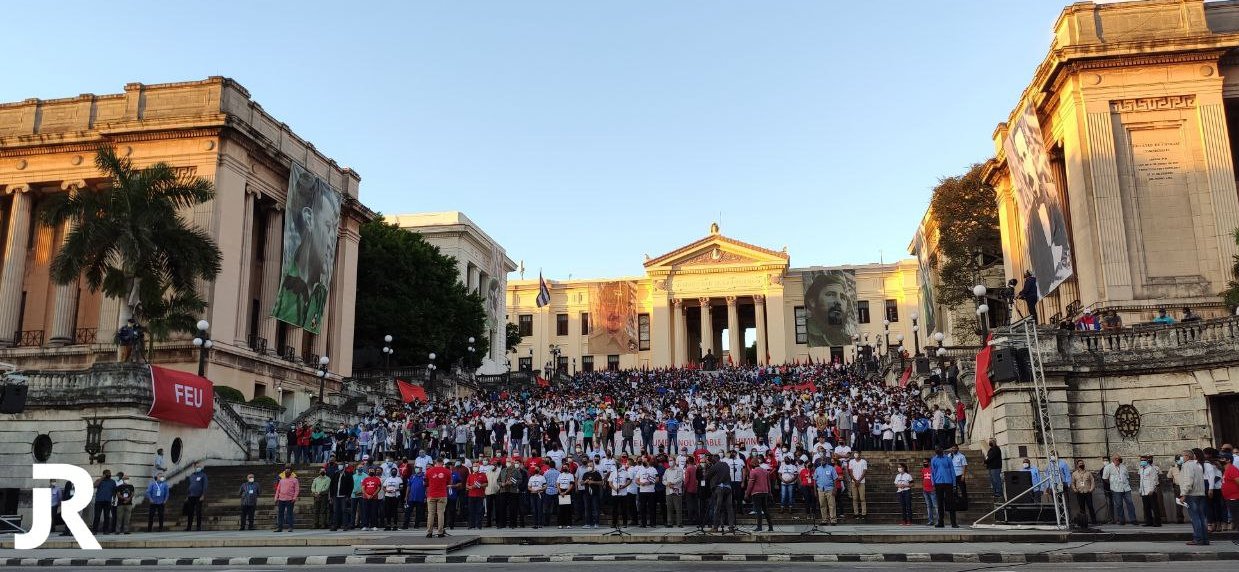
[
  {"x": 830, "y": 307},
  {"x": 1046, "y": 244},
  {"x": 311, "y": 227},
  {"x": 613, "y": 317}
]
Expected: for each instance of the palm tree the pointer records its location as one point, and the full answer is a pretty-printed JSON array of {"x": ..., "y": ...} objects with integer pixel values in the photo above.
[
  {"x": 131, "y": 241},
  {"x": 1231, "y": 294}
]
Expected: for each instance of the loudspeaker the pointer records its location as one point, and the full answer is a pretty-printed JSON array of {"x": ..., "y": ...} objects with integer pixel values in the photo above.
[
  {"x": 1028, "y": 513},
  {"x": 1008, "y": 364},
  {"x": 1016, "y": 482},
  {"x": 922, "y": 365},
  {"x": 12, "y": 398}
]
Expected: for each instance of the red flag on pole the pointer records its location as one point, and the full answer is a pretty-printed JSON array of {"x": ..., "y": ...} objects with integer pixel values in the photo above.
[
  {"x": 985, "y": 388},
  {"x": 181, "y": 397},
  {"x": 907, "y": 374},
  {"x": 410, "y": 392}
]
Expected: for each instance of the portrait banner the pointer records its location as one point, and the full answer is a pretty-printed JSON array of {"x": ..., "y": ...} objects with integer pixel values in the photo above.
[
  {"x": 613, "y": 317},
  {"x": 924, "y": 279},
  {"x": 311, "y": 228},
  {"x": 830, "y": 307},
  {"x": 1046, "y": 245}
]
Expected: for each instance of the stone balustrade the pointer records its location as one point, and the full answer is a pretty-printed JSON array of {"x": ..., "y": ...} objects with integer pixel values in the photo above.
[{"x": 1151, "y": 348}]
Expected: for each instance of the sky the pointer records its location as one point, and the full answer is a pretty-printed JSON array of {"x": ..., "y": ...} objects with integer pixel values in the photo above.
[{"x": 582, "y": 135}]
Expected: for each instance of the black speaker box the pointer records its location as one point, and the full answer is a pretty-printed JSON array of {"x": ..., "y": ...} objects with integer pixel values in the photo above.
[
  {"x": 1016, "y": 482},
  {"x": 1008, "y": 364},
  {"x": 12, "y": 398},
  {"x": 1028, "y": 513},
  {"x": 922, "y": 365}
]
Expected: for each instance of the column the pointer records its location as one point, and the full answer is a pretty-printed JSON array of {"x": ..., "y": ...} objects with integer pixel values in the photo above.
[
  {"x": 473, "y": 278},
  {"x": 759, "y": 315},
  {"x": 1108, "y": 201},
  {"x": 243, "y": 285},
  {"x": 1221, "y": 180},
  {"x": 679, "y": 315},
  {"x": 272, "y": 255},
  {"x": 64, "y": 321},
  {"x": 735, "y": 339},
  {"x": 660, "y": 331},
  {"x": 707, "y": 328},
  {"x": 777, "y": 341},
  {"x": 14, "y": 276}
]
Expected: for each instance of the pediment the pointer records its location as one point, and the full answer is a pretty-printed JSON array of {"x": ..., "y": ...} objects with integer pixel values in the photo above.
[{"x": 717, "y": 250}]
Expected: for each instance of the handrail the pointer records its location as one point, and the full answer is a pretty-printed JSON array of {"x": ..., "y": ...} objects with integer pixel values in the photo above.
[{"x": 233, "y": 425}]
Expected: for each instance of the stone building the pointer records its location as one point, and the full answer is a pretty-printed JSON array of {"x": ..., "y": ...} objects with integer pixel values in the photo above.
[
  {"x": 748, "y": 300},
  {"x": 484, "y": 268}
]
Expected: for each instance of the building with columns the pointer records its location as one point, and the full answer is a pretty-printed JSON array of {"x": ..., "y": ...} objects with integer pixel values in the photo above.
[
  {"x": 484, "y": 268},
  {"x": 748, "y": 301},
  {"x": 210, "y": 129}
]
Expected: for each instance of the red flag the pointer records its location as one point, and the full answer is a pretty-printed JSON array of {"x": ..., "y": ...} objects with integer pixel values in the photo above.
[
  {"x": 903, "y": 379},
  {"x": 541, "y": 382},
  {"x": 181, "y": 397},
  {"x": 410, "y": 392},
  {"x": 728, "y": 358},
  {"x": 985, "y": 389}
]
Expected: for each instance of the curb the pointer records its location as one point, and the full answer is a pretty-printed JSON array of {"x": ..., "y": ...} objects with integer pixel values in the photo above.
[{"x": 946, "y": 557}]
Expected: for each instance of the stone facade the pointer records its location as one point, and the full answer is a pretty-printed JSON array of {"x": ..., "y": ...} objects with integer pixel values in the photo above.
[{"x": 211, "y": 129}]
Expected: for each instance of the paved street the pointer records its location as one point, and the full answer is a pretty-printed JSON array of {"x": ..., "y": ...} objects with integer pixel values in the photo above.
[{"x": 733, "y": 567}]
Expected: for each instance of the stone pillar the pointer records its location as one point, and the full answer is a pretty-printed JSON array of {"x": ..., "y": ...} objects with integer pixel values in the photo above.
[
  {"x": 1107, "y": 196},
  {"x": 246, "y": 259},
  {"x": 759, "y": 315},
  {"x": 660, "y": 332},
  {"x": 780, "y": 334},
  {"x": 1221, "y": 179},
  {"x": 473, "y": 278},
  {"x": 64, "y": 321},
  {"x": 735, "y": 339},
  {"x": 14, "y": 276},
  {"x": 679, "y": 316},
  {"x": 272, "y": 260},
  {"x": 707, "y": 328}
]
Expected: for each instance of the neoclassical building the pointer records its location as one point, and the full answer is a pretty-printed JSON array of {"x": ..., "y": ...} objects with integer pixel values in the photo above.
[
  {"x": 210, "y": 129},
  {"x": 715, "y": 296}
]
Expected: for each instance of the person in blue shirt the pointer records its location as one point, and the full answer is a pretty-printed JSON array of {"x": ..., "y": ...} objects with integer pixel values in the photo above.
[
  {"x": 105, "y": 489},
  {"x": 157, "y": 496},
  {"x": 1035, "y": 475},
  {"x": 550, "y": 498},
  {"x": 415, "y": 502},
  {"x": 1162, "y": 317},
  {"x": 943, "y": 471},
  {"x": 197, "y": 491},
  {"x": 673, "y": 434},
  {"x": 824, "y": 477}
]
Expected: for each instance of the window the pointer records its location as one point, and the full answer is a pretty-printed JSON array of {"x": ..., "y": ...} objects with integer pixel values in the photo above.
[
  {"x": 862, "y": 311},
  {"x": 892, "y": 310},
  {"x": 525, "y": 324},
  {"x": 563, "y": 364},
  {"x": 525, "y": 364},
  {"x": 802, "y": 328},
  {"x": 613, "y": 362},
  {"x": 561, "y": 324},
  {"x": 643, "y": 332},
  {"x": 584, "y": 323},
  {"x": 836, "y": 354},
  {"x": 587, "y": 363}
]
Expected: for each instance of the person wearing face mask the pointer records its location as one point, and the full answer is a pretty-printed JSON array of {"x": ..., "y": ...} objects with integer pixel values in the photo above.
[
  {"x": 124, "y": 504},
  {"x": 506, "y": 499},
  {"x": 857, "y": 469},
  {"x": 248, "y": 494},
  {"x": 341, "y": 499},
  {"x": 1149, "y": 480},
  {"x": 322, "y": 500},
  {"x": 1035, "y": 476},
  {"x": 475, "y": 486},
  {"x": 197, "y": 493},
  {"x": 1083, "y": 483},
  {"x": 1172, "y": 474},
  {"x": 157, "y": 497},
  {"x": 673, "y": 483},
  {"x": 392, "y": 484},
  {"x": 287, "y": 489},
  {"x": 928, "y": 494}
]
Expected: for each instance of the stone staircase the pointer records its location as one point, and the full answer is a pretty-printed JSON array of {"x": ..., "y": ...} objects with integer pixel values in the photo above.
[{"x": 222, "y": 510}]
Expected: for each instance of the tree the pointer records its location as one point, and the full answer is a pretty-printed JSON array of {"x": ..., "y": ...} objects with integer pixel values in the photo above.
[
  {"x": 1231, "y": 294},
  {"x": 131, "y": 242},
  {"x": 513, "y": 336},
  {"x": 965, "y": 211},
  {"x": 408, "y": 289}
]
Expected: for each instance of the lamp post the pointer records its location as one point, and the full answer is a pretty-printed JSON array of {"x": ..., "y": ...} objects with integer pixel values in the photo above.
[
  {"x": 899, "y": 340},
  {"x": 982, "y": 309},
  {"x": 204, "y": 344},
  {"x": 886, "y": 335},
  {"x": 322, "y": 377},
  {"x": 855, "y": 347},
  {"x": 916, "y": 334},
  {"x": 430, "y": 371},
  {"x": 387, "y": 352}
]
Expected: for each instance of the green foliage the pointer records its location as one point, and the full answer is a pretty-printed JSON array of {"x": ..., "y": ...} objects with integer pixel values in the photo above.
[
  {"x": 410, "y": 290},
  {"x": 513, "y": 337},
  {"x": 131, "y": 242},
  {"x": 229, "y": 393},
  {"x": 1231, "y": 294},
  {"x": 263, "y": 401},
  {"x": 965, "y": 210}
]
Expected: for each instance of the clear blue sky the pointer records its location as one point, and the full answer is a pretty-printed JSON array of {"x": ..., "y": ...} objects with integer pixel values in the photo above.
[{"x": 582, "y": 134}]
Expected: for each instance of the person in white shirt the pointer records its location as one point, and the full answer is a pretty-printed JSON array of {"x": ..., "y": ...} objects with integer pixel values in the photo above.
[
  {"x": 1150, "y": 477},
  {"x": 788, "y": 473},
  {"x": 537, "y": 486},
  {"x": 857, "y": 469},
  {"x": 565, "y": 484},
  {"x": 1117, "y": 474},
  {"x": 903, "y": 491},
  {"x": 621, "y": 510},
  {"x": 899, "y": 424},
  {"x": 842, "y": 450}
]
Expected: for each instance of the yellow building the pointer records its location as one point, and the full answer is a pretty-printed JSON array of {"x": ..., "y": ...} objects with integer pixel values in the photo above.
[{"x": 744, "y": 297}]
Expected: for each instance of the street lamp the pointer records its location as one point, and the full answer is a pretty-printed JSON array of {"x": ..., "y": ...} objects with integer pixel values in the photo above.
[
  {"x": 387, "y": 353},
  {"x": 430, "y": 371},
  {"x": 982, "y": 309},
  {"x": 886, "y": 334},
  {"x": 204, "y": 344},
  {"x": 322, "y": 377},
  {"x": 916, "y": 333}
]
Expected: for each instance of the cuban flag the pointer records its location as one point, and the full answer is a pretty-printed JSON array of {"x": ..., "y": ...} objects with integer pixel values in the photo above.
[{"x": 544, "y": 293}]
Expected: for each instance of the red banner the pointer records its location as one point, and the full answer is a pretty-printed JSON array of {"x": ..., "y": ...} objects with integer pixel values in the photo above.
[
  {"x": 985, "y": 389},
  {"x": 181, "y": 397},
  {"x": 907, "y": 374},
  {"x": 410, "y": 392},
  {"x": 541, "y": 382}
]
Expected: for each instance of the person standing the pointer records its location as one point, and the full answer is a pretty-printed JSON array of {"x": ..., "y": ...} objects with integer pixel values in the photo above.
[
  {"x": 320, "y": 488},
  {"x": 1192, "y": 493},
  {"x": 341, "y": 499},
  {"x": 646, "y": 477},
  {"x": 415, "y": 500},
  {"x": 1230, "y": 487},
  {"x": 903, "y": 491},
  {"x": 673, "y": 482},
  {"x": 287, "y": 489},
  {"x": 787, "y": 483},
  {"x": 537, "y": 487},
  {"x": 124, "y": 504},
  {"x": 159, "y": 465},
  {"x": 565, "y": 485},
  {"x": 505, "y": 503},
  {"x": 961, "y": 421},
  {"x": 993, "y": 464},
  {"x": 857, "y": 469},
  {"x": 1149, "y": 480},
  {"x": 1082, "y": 484},
  {"x": 928, "y": 494},
  {"x": 249, "y": 493},
  {"x": 824, "y": 477},
  {"x": 944, "y": 486},
  {"x": 371, "y": 499},
  {"x": 157, "y": 497},
  {"x": 718, "y": 476},
  {"x": 758, "y": 492},
  {"x": 476, "y": 487},
  {"x": 960, "y": 464},
  {"x": 438, "y": 478},
  {"x": 105, "y": 491},
  {"x": 392, "y": 485},
  {"x": 197, "y": 493},
  {"x": 1116, "y": 473}
]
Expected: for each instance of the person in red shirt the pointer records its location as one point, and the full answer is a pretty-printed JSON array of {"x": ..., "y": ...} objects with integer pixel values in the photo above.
[
  {"x": 1230, "y": 486},
  {"x": 438, "y": 478},
  {"x": 476, "y": 487},
  {"x": 371, "y": 488},
  {"x": 927, "y": 491},
  {"x": 807, "y": 491}
]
